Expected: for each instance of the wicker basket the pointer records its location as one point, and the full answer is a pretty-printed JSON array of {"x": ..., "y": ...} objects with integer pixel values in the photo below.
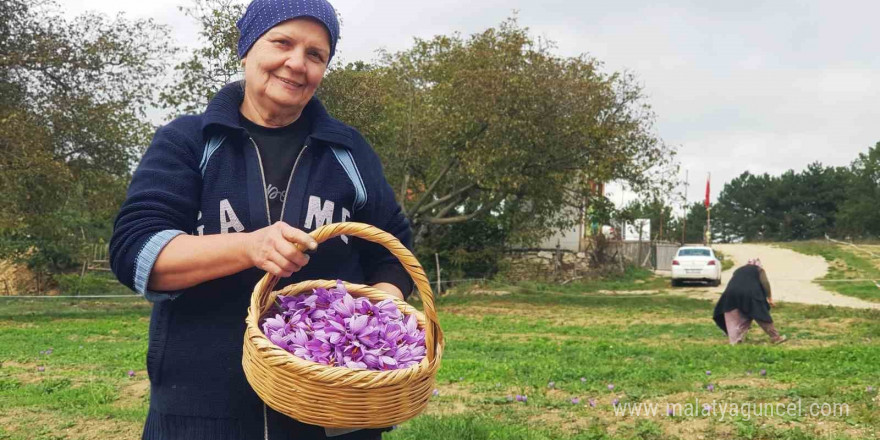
[{"x": 339, "y": 397}]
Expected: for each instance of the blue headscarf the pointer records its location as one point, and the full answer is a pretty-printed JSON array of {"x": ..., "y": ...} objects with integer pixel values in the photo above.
[{"x": 262, "y": 15}]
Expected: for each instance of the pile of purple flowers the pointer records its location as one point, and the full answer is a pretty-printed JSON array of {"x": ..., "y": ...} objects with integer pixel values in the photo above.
[{"x": 333, "y": 328}]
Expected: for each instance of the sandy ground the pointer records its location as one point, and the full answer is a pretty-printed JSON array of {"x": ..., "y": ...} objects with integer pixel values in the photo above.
[{"x": 791, "y": 275}]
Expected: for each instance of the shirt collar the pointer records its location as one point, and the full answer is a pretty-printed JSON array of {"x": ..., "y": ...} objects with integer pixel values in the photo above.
[{"x": 223, "y": 111}]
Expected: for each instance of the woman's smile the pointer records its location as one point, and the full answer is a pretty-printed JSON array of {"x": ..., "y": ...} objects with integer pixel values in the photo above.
[{"x": 290, "y": 84}]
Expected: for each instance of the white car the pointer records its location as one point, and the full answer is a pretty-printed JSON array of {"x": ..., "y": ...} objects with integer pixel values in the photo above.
[{"x": 696, "y": 263}]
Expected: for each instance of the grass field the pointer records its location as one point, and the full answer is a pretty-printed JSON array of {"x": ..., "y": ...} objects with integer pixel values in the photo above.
[
  {"x": 846, "y": 263},
  {"x": 726, "y": 262},
  {"x": 502, "y": 341}
]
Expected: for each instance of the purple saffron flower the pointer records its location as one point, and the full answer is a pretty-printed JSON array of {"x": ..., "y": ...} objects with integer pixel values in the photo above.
[
  {"x": 310, "y": 301},
  {"x": 519, "y": 398},
  {"x": 130, "y": 373},
  {"x": 710, "y": 387},
  {"x": 344, "y": 308},
  {"x": 412, "y": 354},
  {"x": 610, "y": 386},
  {"x": 551, "y": 384},
  {"x": 277, "y": 339},
  {"x": 364, "y": 307},
  {"x": 49, "y": 351},
  {"x": 386, "y": 309},
  {"x": 354, "y": 365},
  {"x": 41, "y": 369},
  {"x": 436, "y": 392},
  {"x": 372, "y": 360},
  {"x": 575, "y": 401},
  {"x": 387, "y": 362},
  {"x": 273, "y": 324},
  {"x": 707, "y": 407},
  {"x": 525, "y": 398},
  {"x": 763, "y": 372},
  {"x": 593, "y": 403},
  {"x": 583, "y": 380},
  {"x": 412, "y": 332},
  {"x": 869, "y": 389},
  {"x": 615, "y": 402},
  {"x": 509, "y": 398},
  {"x": 708, "y": 373},
  {"x": 669, "y": 412}
]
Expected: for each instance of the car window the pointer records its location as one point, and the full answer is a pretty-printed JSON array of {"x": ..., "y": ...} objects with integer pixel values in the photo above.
[{"x": 694, "y": 253}]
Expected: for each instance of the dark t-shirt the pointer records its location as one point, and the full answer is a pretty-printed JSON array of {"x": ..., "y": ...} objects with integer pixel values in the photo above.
[{"x": 279, "y": 148}]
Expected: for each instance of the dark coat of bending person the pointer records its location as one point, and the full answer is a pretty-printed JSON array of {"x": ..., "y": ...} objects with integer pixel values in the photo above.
[{"x": 747, "y": 297}]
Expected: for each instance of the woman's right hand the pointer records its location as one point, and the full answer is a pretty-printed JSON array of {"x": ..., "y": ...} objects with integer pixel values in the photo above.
[
  {"x": 770, "y": 301},
  {"x": 272, "y": 249}
]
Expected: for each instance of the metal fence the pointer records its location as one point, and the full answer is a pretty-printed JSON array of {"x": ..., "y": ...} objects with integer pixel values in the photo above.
[
  {"x": 646, "y": 254},
  {"x": 635, "y": 252},
  {"x": 664, "y": 253}
]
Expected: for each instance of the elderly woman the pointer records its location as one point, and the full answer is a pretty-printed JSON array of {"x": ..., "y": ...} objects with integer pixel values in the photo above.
[
  {"x": 222, "y": 197},
  {"x": 746, "y": 298}
]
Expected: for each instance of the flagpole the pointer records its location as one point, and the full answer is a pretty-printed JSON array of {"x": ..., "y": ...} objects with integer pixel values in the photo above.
[
  {"x": 709, "y": 226},
  {"x": 684, "y": 219}
]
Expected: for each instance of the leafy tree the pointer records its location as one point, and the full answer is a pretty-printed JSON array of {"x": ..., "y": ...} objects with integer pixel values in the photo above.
[
  {"x": 210, "y": 66},
  {"x": 744, "y": 207},
  {"x": 802, "y": 205},
  {"x": 466, "y": 133},
  {"x": 860, "y": 216},
  {"x": 73, "y": 95}
]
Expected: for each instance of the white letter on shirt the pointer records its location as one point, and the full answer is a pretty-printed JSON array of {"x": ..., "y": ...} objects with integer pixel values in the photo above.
[
  {"x": 345, "y": 216},
  {"x": 228, "y": 219},
  {"x": 320, "y": 215}
]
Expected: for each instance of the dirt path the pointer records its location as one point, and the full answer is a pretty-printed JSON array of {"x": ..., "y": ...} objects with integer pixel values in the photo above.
[{"x": 791, "y": 275}]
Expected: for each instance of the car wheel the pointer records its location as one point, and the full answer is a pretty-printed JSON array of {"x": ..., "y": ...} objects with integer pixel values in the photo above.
[
  {"x": 716, "y": 283},
  {"x": 676, "y": 283}
]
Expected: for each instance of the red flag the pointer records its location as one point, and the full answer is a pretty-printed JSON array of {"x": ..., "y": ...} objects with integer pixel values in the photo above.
[{"x": 707, "y": 190}]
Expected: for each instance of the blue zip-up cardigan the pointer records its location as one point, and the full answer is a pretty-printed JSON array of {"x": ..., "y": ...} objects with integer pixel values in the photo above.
[{"x": 182, "y": 187}]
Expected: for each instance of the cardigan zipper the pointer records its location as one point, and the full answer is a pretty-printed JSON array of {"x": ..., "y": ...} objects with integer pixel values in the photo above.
[
  {"x": 263, "y": 178},
  {"x": 290, "y": 178}
]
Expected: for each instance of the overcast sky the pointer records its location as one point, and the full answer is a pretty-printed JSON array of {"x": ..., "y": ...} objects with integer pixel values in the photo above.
[{"x": 760, "y": 86}]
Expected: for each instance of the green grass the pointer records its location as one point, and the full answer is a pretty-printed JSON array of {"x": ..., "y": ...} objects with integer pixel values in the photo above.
[
  {"x": 845, "y": 263},
  {"x": 633, "y": 279},
  {"x": 92, "y": 283},
  {"x": 726, "y": 262},
  {"x": 655, "y": 348}
]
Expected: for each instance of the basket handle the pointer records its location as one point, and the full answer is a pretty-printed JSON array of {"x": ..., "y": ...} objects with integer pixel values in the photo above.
[{"x": 433, "y": 334}]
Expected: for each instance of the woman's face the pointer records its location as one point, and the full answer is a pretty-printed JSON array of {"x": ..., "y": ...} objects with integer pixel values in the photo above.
[{"x": 284, "y": 67}]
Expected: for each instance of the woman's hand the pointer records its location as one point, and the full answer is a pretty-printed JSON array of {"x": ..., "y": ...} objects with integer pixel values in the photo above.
[
  {"x": 770, "y": 301},
  {"x": 272, "y": 249},
  {"x": 390, "y": 289}
]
